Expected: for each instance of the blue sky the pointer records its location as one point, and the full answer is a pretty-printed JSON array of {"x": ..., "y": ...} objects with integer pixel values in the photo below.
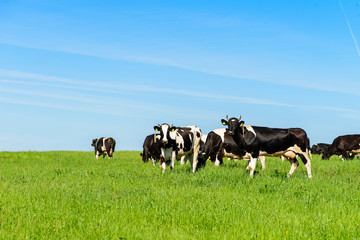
[{"x": 71, "y": 71}]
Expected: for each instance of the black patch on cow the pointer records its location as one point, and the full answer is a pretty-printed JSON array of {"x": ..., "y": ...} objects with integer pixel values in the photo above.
[{"x": 151, "y": 148}]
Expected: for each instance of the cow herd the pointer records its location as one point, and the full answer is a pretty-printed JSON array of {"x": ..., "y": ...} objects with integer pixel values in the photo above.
[{"x": 236, "y": 141}]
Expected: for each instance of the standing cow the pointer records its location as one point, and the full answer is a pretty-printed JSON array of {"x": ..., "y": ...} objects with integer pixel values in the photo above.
[
  {"x": 320, "y": 148},
  {"x": 220, "y": 144},
  {"x": 104, "y": 146},
  {"x": 151, "y": 148},
  {"x": 344, "y": 146},
  {"x": 178, "y": 142},
  {"x": 263, "y": 141}
]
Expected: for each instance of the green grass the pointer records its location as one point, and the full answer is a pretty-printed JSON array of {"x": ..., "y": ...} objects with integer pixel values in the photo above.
[{"x": 71, "y": 195}]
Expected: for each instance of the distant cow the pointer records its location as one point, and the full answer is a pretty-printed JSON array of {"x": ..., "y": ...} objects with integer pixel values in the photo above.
[
  {"x": 151, "y": 148},
  {"x": 263, "y": 141},
  {"x": 220, "y": 144},
  {"x": 178, "y": 142},
  {"x": 104, "y": 146},
  {"x": 344, "y": 146},
  {"x": 320, "y": 148}
]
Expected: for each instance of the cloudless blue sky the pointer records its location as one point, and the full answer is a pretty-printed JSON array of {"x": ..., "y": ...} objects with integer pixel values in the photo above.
[{"x": 71, "y": 71}]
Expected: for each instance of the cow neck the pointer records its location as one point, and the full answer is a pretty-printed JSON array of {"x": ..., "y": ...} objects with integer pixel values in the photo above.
[{"x": 239, "y": 135}]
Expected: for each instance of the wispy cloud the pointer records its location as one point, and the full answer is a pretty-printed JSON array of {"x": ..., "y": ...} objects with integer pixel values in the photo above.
[
  {"x": 350, "y": 29},
  {"x": 66, "y": 83}
]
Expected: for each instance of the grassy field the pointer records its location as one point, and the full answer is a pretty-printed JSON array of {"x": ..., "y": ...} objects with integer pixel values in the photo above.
[{"x": 70, "y": 195}]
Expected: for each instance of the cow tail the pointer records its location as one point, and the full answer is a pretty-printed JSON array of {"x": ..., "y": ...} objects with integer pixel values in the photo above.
[{"x": 308, "y": 149}]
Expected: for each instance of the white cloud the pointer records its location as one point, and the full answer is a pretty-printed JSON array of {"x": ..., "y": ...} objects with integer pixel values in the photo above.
[
  {"x": 57, "y": 82},
  {"x": 350, "y": 29}
]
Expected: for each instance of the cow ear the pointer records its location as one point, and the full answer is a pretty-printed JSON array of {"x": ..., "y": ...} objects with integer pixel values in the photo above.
[
  {"x": 172, "y": 129},
  {"x": 156, "y": 128},
  {"x": 224, "y": 122},
  {"x": 241, "y": 123}
]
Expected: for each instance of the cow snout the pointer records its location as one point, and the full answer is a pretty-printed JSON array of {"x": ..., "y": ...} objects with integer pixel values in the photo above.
[
  {"x": 231, "y": 133},
  {"x": 165, "y": 141}
]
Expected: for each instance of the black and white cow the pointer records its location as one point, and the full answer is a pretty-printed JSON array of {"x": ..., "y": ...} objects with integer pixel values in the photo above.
[
  {"x": 344, "y": 146},
  {"x": 320, "y": 148},
  {"x": 151, "y": 148},
  {"x": 178, "y": 142},
  {"x": 220, "y": 144},
  {"x": 104, "y": 146},
  {"x": 263, "y": 141}
]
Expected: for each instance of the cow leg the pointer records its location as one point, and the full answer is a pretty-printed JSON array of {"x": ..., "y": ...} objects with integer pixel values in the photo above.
[
  {"x": 183, "y": 160},
  {"x": 173, "y": 158},
  {"x": 262, "y": 161},
  {"x": 154, "y": 162},
  {"x": 162, "y": 164},
  {"x": 252, "y": 165},
  {"x": 97, "y": 154},
  {"x": 219, "y": 159},
  {"x": 307, "y": 163},
  {"x": 294, "y": 164},
  {"x": 195, "y": 157}
]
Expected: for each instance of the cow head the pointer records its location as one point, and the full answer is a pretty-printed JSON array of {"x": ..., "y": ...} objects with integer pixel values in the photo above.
[
  {"x": 167, "y": 132},
  {"x": 326, "y": 156},
  {"x": 94, "y": 142},
  {"x": 233, "y": 124}
]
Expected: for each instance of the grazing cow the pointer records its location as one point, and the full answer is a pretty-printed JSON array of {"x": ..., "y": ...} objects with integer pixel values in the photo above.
[
  {"x": 151, "y": 149},
  {"x": 320, "y": 148},
  {"x": 104, "y": 146},
  {"x": 344, "y": 146},
  {"x": 220, "y": 144},
  {"x": 178, "y": 142},
  {"x": 263, "y": 141}
]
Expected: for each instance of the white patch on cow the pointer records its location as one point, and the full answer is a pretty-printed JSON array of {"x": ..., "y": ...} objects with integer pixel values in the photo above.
[
  {"x": 217, "y": 163},
  {"x": 289, "y": 153},
  {"x": 180, "y": 144},
  {"x": 203, "y": 138},
  {"x": 250, "y": 129},
  {"x": 262, "y": 161},
  {"x": 294, "y": 165},
  {"x": 165, "y": 129},
  {"x": 173, "y": 157},
  {"x": 183, "y": 159},
  {"x": 220, "y": 132},
  {"x": 163, "y": 167},
  {"x": 103, "y": 147},
  {"x": 252, "y": 165},
  {"x": 173, "y": 134},
  {"x": 231, "y": 155},
  {"x": 354, "y": 151}
]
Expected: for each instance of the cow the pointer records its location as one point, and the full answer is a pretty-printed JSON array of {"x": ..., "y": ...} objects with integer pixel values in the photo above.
[
  {"x": 344, "y": 146},
  {"x": 320, "y": 148},
  {"x": 104, "y": 146},
  {"x": 178, "y": 142},
  {"x": 220, "y": 144},
  {"x": 264, "y": 141},
  {"x": 151, "y": 148}
]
